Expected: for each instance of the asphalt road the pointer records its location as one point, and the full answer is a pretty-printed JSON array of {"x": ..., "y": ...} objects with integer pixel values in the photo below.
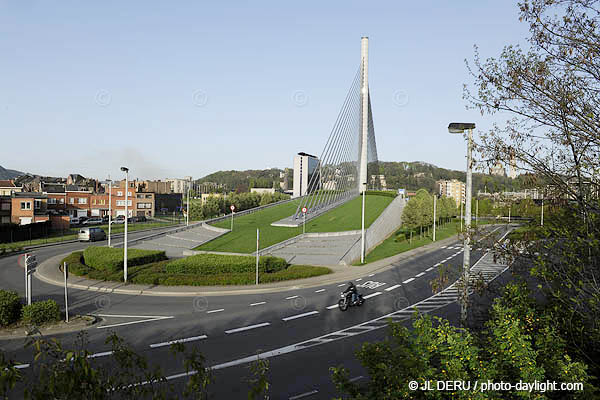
[{"x": 228, "y": 328}]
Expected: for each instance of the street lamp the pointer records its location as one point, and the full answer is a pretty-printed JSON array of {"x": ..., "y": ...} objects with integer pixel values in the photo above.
[
  {"x": 126, "y": 170},
  {"x": 362, "y": 232},
  {"x": 459, "y": 127},
  {"x": 109, "y": 207}
]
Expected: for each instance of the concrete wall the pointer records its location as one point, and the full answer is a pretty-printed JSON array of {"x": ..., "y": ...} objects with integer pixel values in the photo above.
[{"x": 387, "y": 223}]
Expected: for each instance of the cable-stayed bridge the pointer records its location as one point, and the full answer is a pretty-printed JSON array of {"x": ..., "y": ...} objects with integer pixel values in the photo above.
[{"x": 349, "y": 157}]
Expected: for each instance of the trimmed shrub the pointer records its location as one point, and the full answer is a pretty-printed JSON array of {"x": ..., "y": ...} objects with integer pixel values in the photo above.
[
  {"x": 40, "y": 312},
  {"x": 111, "y": 259},
  {"x": 386, "y": 193},
  {"x": 211, "y": 264},
  {"x": 10, "y": 307},
  {"x": 75, "y": 264}
]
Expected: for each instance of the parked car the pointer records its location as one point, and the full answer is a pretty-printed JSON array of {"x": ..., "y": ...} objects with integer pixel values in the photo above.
[
  {"x": 83, "y": 219},
  {"x": 74, "y": 221},
  {"x": 140, "y": 218},
  {"x": 93, "y": 221},
  {"x": 91, "y": 234},
  {"x": 119, "y": 220}
]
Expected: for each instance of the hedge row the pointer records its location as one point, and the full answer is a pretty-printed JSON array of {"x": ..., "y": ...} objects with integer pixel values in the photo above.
[
  {"x": 111, "y": 259},
  {"x": 386, "y": 193},
  {"x": 211, "y": 264},
  {"x": 41, "y": 311},
  {"x": 244, "y": 278},
  {"x": 10, "y": 307}
]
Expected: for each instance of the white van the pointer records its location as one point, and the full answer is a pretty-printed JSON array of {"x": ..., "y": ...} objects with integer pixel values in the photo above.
[{"x": 91, "y": 234}]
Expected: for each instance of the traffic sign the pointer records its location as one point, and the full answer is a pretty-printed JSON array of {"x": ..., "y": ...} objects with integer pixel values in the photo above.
[
  {"x": 304, "y": 210},
  {"x": 232, "y": 207}
]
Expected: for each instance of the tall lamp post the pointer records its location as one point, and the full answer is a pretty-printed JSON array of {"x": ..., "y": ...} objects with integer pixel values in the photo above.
[
  {"x": 109, "y": 207},
  {"x": 362, "y": 232},
  {"x": 126, "y": 170},
  {"x": 459, "y": 127}
]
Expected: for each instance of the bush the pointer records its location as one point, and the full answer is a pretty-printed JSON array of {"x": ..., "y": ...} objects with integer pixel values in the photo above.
[
  {"x": 40, "y": 312},
  {"x": 211, "y": 264},
  {"x": 111, "y": 259},
  {"x": 10, "y": 307},
  {"x": 75, "y": 264},
  {"x": 386, "y": 193}
]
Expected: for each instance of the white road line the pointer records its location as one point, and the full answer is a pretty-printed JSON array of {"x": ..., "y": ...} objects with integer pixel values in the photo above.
[
  {"x": 372, "y": 295},
  {"x": 359, "y": 279},
  {"x": 131, "y": 316},
  {"x": 105, "y": 353},
  {"x": 343, "y": 284},
  {"x": 300, "y": 396},
  {"x": 21, "y": 366},
  {"x": 429, "y": 269},
  {"x": 332, "y": 307},
  {"x": 190, "y": 339},
  {"x": 214, "y": 311},
  {"x": 392, "y": 288},
  {"x": 319, "y": 291},
  {"x": 291, "y": 297},
  {"x": 409, "y": 280},
  {"x": 133, "y": 322},
  {"x": 420, "y": 274},
  {"x": 355, "y": 378},
  {"x": 306, "y": 314},
  {"x": 246, "y": 328},
  {"x": 258, "y": 304},
  {"x": 437, "y": 265},
  {"x": 371, "y": 275},
  {"x": 443, "y": 247}
]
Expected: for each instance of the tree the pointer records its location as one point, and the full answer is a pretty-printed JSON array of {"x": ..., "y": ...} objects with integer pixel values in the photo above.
[{"x": 551, "y": 92}]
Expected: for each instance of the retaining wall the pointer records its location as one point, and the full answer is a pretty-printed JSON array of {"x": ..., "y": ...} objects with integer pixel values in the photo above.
[{"x": 386, "y": 224}]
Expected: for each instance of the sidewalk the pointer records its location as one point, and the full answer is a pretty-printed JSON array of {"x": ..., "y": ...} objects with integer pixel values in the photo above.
[{"x": 48, "y": 271}]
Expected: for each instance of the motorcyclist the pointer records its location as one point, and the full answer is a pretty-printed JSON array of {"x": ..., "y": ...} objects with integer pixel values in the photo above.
[{"x": 351, "y": 289}]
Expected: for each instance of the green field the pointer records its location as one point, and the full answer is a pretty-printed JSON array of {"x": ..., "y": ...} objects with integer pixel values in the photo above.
[{"x": 243, "y": 238}]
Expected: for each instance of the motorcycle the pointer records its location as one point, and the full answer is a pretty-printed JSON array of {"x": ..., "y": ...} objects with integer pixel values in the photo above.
[{"x": 345, "y": 302}]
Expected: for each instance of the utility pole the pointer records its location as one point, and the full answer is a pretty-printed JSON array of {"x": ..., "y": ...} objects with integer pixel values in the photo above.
[
  {"x": 257, "y": 255},
  {"x": 126, "y": 170},
  {"x": 467, "y": 244},
  {"x": 476, "y": 212},
  {"x": 542, "y": 220},
  {"x": 109, "y": 208},
  {"x": 362, "y": 240},
  {"x": 461, "y": 215},
  {"x": 434, "y": 215}
]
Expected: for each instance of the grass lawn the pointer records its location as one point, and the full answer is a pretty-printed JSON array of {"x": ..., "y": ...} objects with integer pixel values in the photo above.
[
  {"x": 243, "y": 238},
  {"x": 391, "y": 247},
  {"x": 71, "y": 234},
  {"x": 200, "y": 270}
]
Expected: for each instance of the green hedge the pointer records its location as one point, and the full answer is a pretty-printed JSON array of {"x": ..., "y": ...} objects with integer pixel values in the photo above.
[
  {"x": 10, "y": 307},
  {"x": 211, "y": 264},
  {"x": 386, "y": 193},
  {"x": 75, "y": 263},
  {"x": 111, "y": 259},
  {"x": 244, "y": 278},
  {"x": 41, "y": 311}
]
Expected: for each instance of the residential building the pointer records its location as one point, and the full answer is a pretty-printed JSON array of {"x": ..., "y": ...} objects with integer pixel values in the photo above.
[
  {"x": 28, "y": 208},
  {"x": 512, "y": 166},
  {"x": 8, "y": 187},
  {"x": 179, "y": 185},
  {"x": 162, "y": 187},
  {"x": 497, "y": 169},
  {"x": 452, "y": 188},
  {"x": 78, "y": 201},
  {"x": 305, "y": 174},
  {"x": 262, "y": 190},
  {"x": 5, "y": 209},
  {"x": 144, "y": 204}
]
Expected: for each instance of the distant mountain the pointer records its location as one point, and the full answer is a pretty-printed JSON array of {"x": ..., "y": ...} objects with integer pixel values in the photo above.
[
  {"x": 9, "y": 173},
  {"x": 241, "y": 181}
]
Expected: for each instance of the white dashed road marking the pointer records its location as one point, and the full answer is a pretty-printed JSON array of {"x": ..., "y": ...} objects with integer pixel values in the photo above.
[
  {"x": 420, "y": 274},
  {"x": 190, "y": 339},
  {"x": 246, "y": 328},
  {"x": 291, "y": 297},
  {"x": 372, "y": 295},
  {"x": 303, "y": 395},
  {"x": 300, "y": 315},
  {"x": 409, "y": 280},
  {"x": 214, "y": 311},
  {"x": 258, "y": 304},
  {"x": 392, "y": 288},
  {"x": 319, "y": 291}
]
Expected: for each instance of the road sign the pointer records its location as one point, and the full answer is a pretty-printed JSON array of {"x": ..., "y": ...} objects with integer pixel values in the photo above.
[
  {"x": 31, "y": 261},
  {"x": 232, "y": 207},
  {"x": 304, "y": 210}
]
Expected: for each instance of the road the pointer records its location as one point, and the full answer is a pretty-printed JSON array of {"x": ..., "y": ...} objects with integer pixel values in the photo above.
[{"x": 228, "y": 328}]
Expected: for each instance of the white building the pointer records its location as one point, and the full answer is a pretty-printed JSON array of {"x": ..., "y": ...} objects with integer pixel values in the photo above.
[
  {"x": 305, "y": 168},
  {"x": 179, "y": 185},
  {"x": 262, "y": 190}
]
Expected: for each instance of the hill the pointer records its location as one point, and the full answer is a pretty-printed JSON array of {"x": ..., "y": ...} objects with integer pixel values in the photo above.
[
  {"x": 398, "y": 174},
  {"x": 9, "y": 173}
]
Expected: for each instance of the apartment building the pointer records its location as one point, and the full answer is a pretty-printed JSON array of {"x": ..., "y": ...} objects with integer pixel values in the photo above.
[
  {"x": 29, "y": 207},
  {"x": 452, "y": 188},
  {"x": 8, "y": 187}
]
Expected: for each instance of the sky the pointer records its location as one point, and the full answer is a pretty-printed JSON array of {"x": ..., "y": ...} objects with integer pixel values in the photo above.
[{"x": 187, "y": 88}]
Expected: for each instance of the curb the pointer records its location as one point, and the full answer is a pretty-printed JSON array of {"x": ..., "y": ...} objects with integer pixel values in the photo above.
[
  {"x": 340, "y": 274},
  {"x": 18, "y": 334}
]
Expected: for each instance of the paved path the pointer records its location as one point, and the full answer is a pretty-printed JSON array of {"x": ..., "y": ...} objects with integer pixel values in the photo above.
[
  {"x": 317, "y": 250},
  {"x": 175, "y": 244}
]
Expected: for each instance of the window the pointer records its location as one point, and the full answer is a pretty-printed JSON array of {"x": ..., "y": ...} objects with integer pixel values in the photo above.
[
  {"x": 94, "y": 201},
  {"x": 148, "y": 196},
  {"x": 72, "y": 200},
  {"x": 82, "y": 200},
  {"x": 119, "y": 193},
  {"x": 5, "y": 206},
  {"x": 140, "y": 196},
  {"x": 25, "y": 205},
  {"x": 37, "y": 204},
  {"x": 129, "y": 194},
  {"x": 121, "y": 203},
  {"x": 51, "y": 201},
  {"x": 62, "y": 201}
]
